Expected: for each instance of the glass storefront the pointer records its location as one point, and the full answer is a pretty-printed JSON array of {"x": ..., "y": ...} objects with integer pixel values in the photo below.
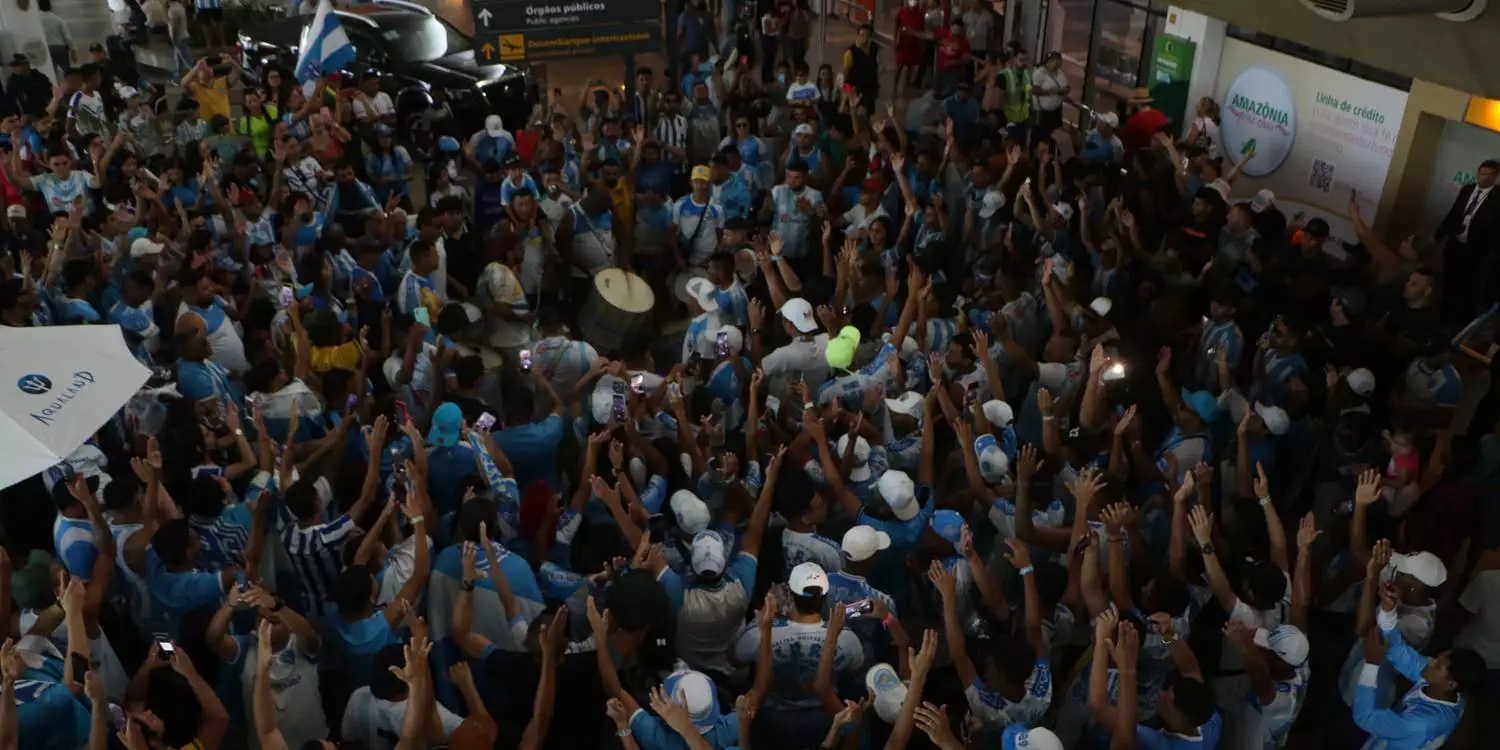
[{"x": 1106, "y": 48}]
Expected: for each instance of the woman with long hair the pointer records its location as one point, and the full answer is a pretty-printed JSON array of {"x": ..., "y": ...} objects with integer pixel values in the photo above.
[
  {"x": 388, "y": 166},
  {"x": 1205, "y": 131},
  {"x": 257, "y": 121}
]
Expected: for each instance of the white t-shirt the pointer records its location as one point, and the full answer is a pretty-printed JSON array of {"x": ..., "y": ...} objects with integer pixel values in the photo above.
[
  {"x": 802, "y": 92},
  {"x": 87, "y": 112},
  {"x": 1209, "y": 129},
  {"x": 1251, "y": 726},
  {"x": 373, "y": 721},
  {"x": 858, "y": 218},
  {"x": 380, "y": 105},
  {"x": 294, "y": 690},
  {"x": 400, "y": 564},
  {"x": 1482, "y": 597},
  {"x": 807, "y": 356},
  {"x": 1231, "y": 659},
  {"x": 1048, "y": 87}
]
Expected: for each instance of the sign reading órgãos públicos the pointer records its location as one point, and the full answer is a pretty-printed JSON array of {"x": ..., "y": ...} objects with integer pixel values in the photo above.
[{"x": 512, "y": 31}]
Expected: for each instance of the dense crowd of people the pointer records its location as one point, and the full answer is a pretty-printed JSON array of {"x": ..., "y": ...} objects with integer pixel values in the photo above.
[{"x": 984, "y": 431}]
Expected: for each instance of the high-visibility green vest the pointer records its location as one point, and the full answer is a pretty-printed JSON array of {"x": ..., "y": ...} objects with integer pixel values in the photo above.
[{"x": 1017, "y": 94}]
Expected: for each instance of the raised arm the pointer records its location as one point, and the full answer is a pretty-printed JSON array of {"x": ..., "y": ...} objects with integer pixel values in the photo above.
[
  {"x": 1302, "y": 577},
  {"x": 263, "y": 705},
  {"x": 947, "y": 586},
  {"x": 1274, "y": 529},
  {"x": 1202, "y": 523}
]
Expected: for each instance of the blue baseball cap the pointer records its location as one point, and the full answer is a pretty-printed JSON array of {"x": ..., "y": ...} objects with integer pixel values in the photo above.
[
  {"x": 1202, "y": 403},
  {"x": 948, "y": 524},
  {"x": 136, "y": 233},
  {"x": 447, "y": 423},
  {"x": 994, "y": 465}
]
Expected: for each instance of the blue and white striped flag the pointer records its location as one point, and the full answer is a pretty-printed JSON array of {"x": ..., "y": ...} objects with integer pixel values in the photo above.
[{"x": 326, "y": 47}]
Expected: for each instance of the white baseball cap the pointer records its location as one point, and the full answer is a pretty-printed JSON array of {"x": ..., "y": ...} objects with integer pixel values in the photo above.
[
  {"x": 144, "y": 246},
  {"x": 1286, "y": 641},
  {"x": 1361, "y": 381},
  {"x": 861, "y": 470},
  {"x": 1263, "y": 200},
  {"x": 692, "y": 513},
  {"x": 862, "y": 542},
  {"x": 999, "y": 413},
  {"x": 803, "y": 129},
  {"x": 732, "y": 337},
  {"x": 708, "y": 553},
  {"x": 1101, "y": 306},
  {"x": 799, "y": 312},
  {"x": 1423, "y": 566},
  {"x": 900, "y": 493},
  {"x": 702, "y": 292},
  {"x": 909, "y": 403},
  {"x": 1275, "y": 417},
  {"x": 1018, "y": 737},
  {"x": 15, "y": 211},
  {"x": 993, "y": 201},
  {"x": 994, "y": 465},
  {"x": 808, "y": 576},
  {"x": 1109, "y": 118},
  {"x": 494, "y": 126},
  {"x": 698, "y": 693},
  {"x": 889, "y": 691}
]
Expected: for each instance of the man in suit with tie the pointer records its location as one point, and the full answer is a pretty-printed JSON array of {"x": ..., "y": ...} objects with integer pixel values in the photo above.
[{"x": 1472, "y": 229}]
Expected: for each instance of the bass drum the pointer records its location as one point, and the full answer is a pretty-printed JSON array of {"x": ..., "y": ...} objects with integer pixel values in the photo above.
[{"x": 617, "y": 314}]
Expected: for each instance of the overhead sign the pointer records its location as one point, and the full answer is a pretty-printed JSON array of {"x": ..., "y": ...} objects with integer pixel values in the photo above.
[{"x": 513, "y": 31}]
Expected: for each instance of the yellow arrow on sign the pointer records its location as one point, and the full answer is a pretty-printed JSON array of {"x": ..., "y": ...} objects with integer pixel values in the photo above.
[{"x": 489, "y": 50}]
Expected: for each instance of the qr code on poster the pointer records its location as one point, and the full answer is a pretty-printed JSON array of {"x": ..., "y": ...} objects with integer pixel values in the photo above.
[{"x": 1321, "y": 176}]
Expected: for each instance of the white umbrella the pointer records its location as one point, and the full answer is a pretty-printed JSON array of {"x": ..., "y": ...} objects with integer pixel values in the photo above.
[{"x": 58, "y": 386}]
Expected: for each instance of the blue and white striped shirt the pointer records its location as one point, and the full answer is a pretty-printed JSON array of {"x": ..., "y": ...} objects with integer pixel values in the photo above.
[{"x": 316, "y": 554}]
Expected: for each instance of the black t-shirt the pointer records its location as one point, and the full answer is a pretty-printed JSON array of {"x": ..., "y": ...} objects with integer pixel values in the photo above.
[
  {"x": 1415, "y": 323},
  {"x": 578, "y": 717}
]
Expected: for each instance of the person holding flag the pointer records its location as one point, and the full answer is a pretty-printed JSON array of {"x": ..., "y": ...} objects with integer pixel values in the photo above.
[{"x": 328, "y": 48}]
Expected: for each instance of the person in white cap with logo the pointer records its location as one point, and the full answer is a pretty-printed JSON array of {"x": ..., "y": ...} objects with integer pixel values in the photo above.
[
  {"x": 1413, "y": 578},
  {"x": 1429, "y": 712},
  {"x": 1276, "y": 662},
  {"x": 860, "y": 548},
  {"x": 805, "y": 356},
  {"x": 796, "y": 712},
  {"x": 711, "y": 609}
]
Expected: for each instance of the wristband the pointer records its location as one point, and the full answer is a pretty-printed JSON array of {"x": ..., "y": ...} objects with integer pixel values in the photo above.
[
  {"x": 468, "y": 585},
  {"x": 417, "y": 519},
  {"x": 1048, "y": 418},
  {"x": 889, "y": 618},
  {"x": 1028, "y": 570},
  {"x": 622, "y": 733},
  {"x": 1165, "y": 641},
  {"x": 1265, "y": 501}
]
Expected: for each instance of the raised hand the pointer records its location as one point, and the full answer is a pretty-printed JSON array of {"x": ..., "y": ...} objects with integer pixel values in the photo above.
[
  {"x": 1307, "y": 532},
  {"x": 1368, "y": 490},
  {"x": 1202, "y": 523}
]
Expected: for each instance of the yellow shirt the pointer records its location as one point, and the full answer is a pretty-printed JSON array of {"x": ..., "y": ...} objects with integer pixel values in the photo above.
[
  {"x": 621, "y": 198},
  {"x": 213, "y": 98},
  {"x": 344, "y": 357}
]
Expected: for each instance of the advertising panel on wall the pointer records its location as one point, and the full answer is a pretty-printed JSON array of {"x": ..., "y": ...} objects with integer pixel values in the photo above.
[{"x": 1317, "y": 134}]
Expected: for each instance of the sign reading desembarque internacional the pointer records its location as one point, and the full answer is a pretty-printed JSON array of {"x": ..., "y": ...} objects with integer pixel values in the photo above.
[{"x": 514, "y": 31}]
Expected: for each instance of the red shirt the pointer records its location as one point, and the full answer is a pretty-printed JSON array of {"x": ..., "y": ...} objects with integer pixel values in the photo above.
[
  {"x": 1141, "y": 126},
  {"x": 953, "y": 51},
  {"x": 909, "y": 18}
]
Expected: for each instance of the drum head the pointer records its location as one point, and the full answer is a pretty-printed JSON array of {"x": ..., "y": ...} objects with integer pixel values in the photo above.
[{"x": 624, "y": 290}]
